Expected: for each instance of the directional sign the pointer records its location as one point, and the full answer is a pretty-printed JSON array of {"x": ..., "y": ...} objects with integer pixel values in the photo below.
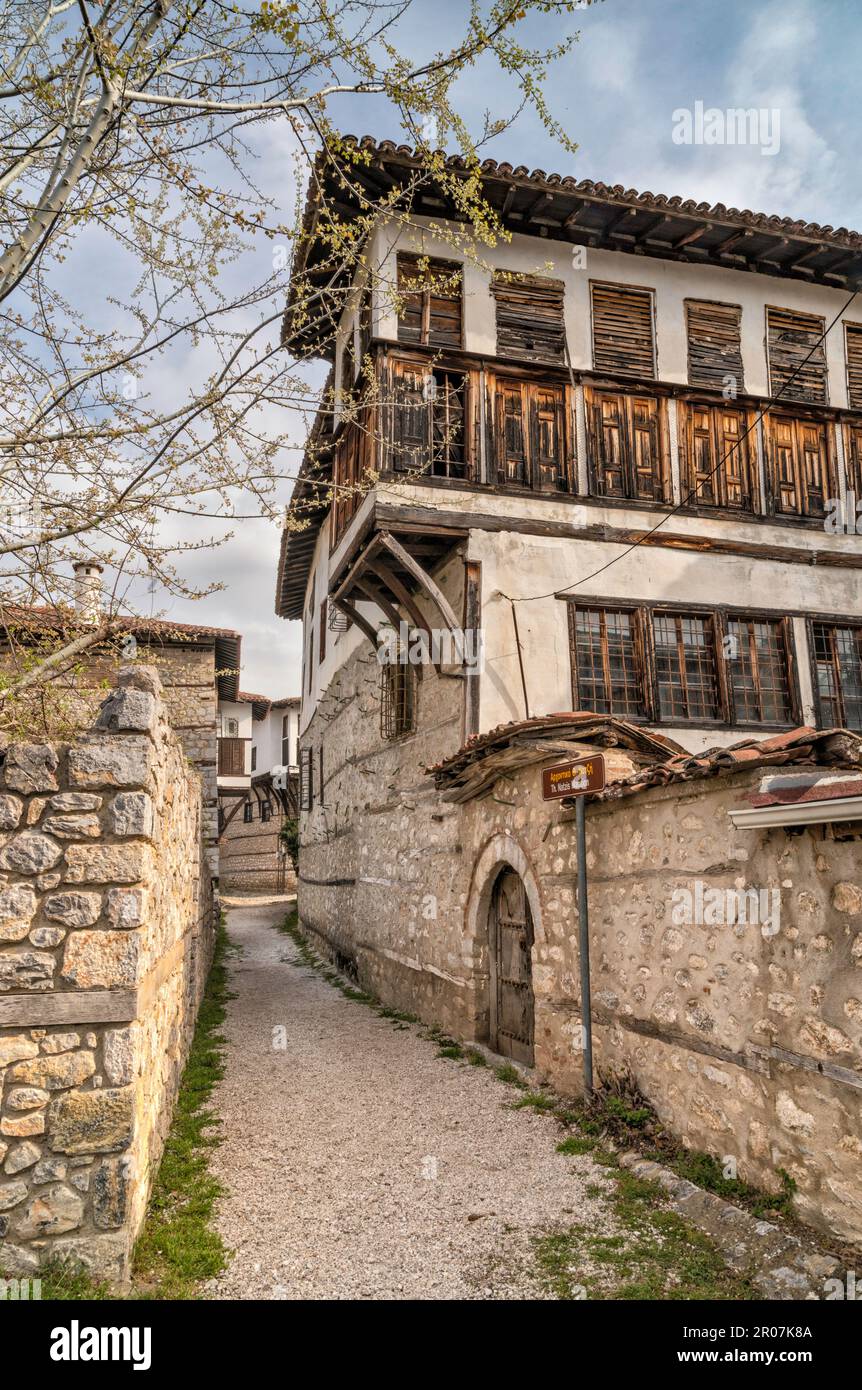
[{"x": 574, "y": 778}]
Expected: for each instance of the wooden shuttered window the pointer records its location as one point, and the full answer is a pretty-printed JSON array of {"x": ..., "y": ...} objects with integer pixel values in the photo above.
[
  {"x": 529, "y": 317},
  {"x": 353, "y": 459},
  {"x": 797, "y": 355},
  {"x": 429, "y": 294},
  {"x": 627, "y": 444},
  {"x": 532, "y": 437},
  {"x": 623, "y": 331},
  {"x": 714, "y": 344},
  {"x": 853, "y": 349},
  {"x": 321, "y": 646},
  {"x": 853, "y": 457},
  {"x": 718, "y": 456},
  {"x": 431, "y": 430},
  {"x": 801, "y": 467}
]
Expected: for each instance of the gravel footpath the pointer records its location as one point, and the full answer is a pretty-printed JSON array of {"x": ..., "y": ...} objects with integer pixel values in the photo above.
[{"x": 359, "y": 1165}]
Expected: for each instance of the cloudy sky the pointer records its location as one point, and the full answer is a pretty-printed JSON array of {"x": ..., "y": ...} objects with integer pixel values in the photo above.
[{"x": 637, "y": 62}]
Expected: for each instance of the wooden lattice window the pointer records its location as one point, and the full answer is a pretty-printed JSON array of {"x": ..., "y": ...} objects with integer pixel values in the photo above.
[
  {"x": 397, "y": 699},
  {"x": 530, "y": 320},
  {"x": 531, "y": 436},
  {"x": 838, "y": 666},
  {"x": 306, "y": 779},
  {"x": 714, "y": 344},
  {"x": 623, "y": 330},
  {"x": 429, "y": 293},
  {"x": 718, "y": 456},
  {"x": 797, "y": 355},
  {"x": 627, "y": 445},
  {"x": 686, "y": 668},
  {"x": 430, "y": 421},
  {"x": 759, "y": 670},
  {"x": 607, "y": 661},
  {"x": 800, "y": 463}
]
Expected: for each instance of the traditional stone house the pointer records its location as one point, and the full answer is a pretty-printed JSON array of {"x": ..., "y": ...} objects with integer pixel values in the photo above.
[
  {"x": 609, "y": 467},
  {"x": 253, "y": 854}
]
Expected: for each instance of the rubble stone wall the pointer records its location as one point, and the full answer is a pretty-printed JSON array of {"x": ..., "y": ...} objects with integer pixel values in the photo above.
[
  {"x": 748, "y": 1043},
  {"x": 250, "y": 858},
  {"x": 106, "y": 937}
]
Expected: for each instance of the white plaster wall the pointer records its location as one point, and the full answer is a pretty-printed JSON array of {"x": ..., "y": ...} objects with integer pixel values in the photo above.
[
  {"x": 673, "y": 282},
  {"x": 267, "y": 738}
]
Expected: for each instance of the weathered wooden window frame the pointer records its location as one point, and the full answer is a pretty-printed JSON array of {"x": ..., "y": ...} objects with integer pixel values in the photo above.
[
  {"x": 852, "y": 439},
  {"x": 321, "y": 645},
  {"x": 620, "y": 368},
  {"x": 440, "y": 270},
  {"x": 639, "y": 650},
  {"x": 398, "y": 366},
  {"x": 698, "y": 374},
  {"x": 549, "y": 294},
  {"x": 693, "y": 499},
  {"x": 596, "y": 467},
  {"x": 399, "y": 693},
  {"x": 720, "y": 617},
  {"x": 830, "y": 621},
  {"x": 799, "y": 418},
  {"x": 528, "y": 390},
  {"x": 776, "y": 390}
]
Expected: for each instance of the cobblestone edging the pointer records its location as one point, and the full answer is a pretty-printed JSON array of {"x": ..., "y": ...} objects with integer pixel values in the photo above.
[{"x": 779, "y": 1264}]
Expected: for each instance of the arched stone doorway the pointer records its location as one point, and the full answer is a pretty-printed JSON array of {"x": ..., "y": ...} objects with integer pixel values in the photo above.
[{"x": 510, "y": 945}]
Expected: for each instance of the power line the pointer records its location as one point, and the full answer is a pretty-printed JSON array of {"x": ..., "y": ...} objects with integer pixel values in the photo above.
[{"x": 532, "y": 598}]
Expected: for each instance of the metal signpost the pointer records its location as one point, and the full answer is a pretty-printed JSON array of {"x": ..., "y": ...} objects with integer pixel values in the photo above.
[{"x": 577, "y": 778}]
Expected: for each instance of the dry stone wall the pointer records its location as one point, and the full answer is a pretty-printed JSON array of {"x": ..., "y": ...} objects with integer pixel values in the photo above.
[
  {"x": 251, "y": 858},
  {"x": 106, "y": 936}
]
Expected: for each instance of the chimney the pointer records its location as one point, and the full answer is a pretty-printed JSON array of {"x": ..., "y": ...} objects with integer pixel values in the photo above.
[{"x": 88, "y": 589}]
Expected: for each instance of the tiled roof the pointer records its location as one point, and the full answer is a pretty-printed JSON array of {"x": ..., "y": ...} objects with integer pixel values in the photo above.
[{"x": 817, "y": 747}]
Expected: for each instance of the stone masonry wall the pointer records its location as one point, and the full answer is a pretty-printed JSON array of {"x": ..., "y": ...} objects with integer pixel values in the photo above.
[
  {"x": 749, "y": 1045},
  {"x": 106, "y": 937},
  {"x": 250, "y": 858}
]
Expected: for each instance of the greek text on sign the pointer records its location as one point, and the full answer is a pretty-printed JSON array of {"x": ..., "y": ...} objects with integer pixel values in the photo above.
[{"x": 574, "y": 778}]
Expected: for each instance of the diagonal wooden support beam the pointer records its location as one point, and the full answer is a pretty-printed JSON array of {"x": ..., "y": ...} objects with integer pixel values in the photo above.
[
  {"x": 356, "y": 617},
  {"x": 433, "y": 590}
]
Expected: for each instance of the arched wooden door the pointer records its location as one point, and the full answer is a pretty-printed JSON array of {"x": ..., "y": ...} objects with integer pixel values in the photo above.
[{"x": 511, "y": 941}]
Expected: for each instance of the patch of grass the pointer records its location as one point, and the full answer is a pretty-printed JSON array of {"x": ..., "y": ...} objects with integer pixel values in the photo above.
[
  {"x": 576, "y": 1144},
  {"x": 653, "y": 1254},
  {"x": 396, "y": 1015},
  {"x": 451, "y": 1049},
  {"x": 510, "y": 1076},
  {"x": 536, "y": 1100},
  {"x": 475, "y": 1057},
  {"x": 178, "y": 1248}
]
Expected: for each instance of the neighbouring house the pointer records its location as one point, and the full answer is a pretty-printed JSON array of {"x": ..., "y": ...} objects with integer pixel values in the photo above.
[
  {"x": 602, "y": 500},
  {"x": 198, "y": 666},
  {"x": 253, "y": 852}
]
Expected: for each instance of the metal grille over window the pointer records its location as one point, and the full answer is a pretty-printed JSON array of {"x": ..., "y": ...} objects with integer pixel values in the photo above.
[
  {"x": 306, "y": 776},
  {"x": 530, "y": 320},
  {"x": 797, "y": 355},
  {"x": 759, "y": 675},
  {"x": 714, "y": 344},
  {"x": 623, "y": 335},
  {"x": 838, "y": 662},
  {"x": 606, "y": 646},
  {"x": 397, "y": 699},
  {"x": 686, "y": 671}
]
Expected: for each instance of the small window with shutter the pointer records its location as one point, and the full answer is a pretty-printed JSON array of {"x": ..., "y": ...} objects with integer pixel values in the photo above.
[
  {"x": 853, "y": 349},
  {"x": 623, "y": 330},
  {"x": 714, "y": 344},
  {"x": 627, "y": 445},
  {"x": 429, "y": 293},
  {"x": 801, "y": 470},
  {"x": 718, "y": 452},
  {"x": 531, "y": 436},
  {"x": 797, "y": 355},
  {"x": 529, "y": 317}
]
